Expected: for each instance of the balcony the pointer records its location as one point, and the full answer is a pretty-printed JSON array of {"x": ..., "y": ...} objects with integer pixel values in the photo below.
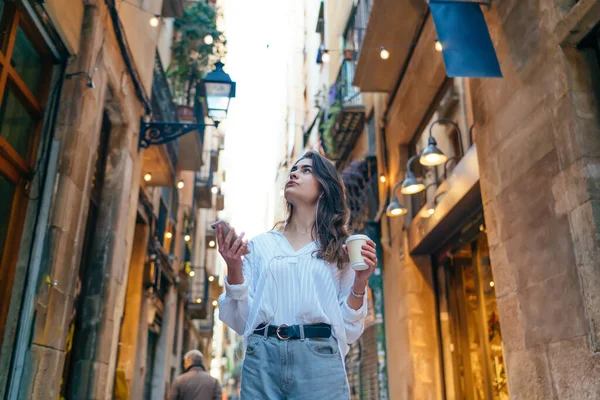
[
  {"x": 173, "y": 8},
  {"x": 393, "y": 24},
  {"x": 161, "y": 161},
  {"x": 206, "y": 327},
  {"x": 220, "y": 202},
  {"x": 190, "y": 144},
  {"x": 197, "y": 301},
  {"x": 345, "y": 117},
  {"x": 204, "y": 181}
]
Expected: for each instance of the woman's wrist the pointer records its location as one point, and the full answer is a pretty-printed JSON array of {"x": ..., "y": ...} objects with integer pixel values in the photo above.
[
  {"x": 235, "y": 276},
  {"x": 359, "y": 287}
]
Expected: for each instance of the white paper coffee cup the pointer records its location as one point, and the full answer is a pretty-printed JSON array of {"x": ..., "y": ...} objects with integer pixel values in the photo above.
[{"x": 354, "y": 244}]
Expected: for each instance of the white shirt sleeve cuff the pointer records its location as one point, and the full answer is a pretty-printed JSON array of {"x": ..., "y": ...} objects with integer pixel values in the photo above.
[
  {"x": 236, "y": 292},
  {"x": 351, "y": 315}
]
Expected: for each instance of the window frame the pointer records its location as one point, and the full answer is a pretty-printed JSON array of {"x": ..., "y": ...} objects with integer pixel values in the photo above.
[{"x": 16, "y": 169}]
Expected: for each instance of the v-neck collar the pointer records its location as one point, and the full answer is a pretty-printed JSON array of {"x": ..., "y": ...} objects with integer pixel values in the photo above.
[{"x": 289, "y": 245}]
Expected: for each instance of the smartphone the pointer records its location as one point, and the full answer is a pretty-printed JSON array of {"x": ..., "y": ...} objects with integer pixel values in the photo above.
[{"x": 226, "y": 228}]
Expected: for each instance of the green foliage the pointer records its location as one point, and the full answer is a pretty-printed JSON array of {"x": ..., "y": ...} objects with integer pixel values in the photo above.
[
  {"x": 327, "y": 129},
  {"x": 190, "y": 55}
]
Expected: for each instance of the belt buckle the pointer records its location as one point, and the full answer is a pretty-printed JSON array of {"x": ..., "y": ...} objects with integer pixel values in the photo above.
[{"x": 279, "y": 335}]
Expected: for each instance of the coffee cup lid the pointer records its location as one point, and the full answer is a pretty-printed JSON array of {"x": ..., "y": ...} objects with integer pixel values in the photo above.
[{"x": 356, "y": 237}]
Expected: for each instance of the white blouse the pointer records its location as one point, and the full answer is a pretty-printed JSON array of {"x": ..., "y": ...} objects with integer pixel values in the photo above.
[{"x": 283, "y": 286}]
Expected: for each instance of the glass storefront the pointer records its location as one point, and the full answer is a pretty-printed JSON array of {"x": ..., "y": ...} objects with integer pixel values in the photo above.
[{"x": 469, "y": 328}]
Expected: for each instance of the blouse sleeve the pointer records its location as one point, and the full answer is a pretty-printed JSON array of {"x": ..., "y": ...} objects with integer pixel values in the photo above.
[
  {"x": 354, "y": 320},
  {"x": 235, "y": 303}
]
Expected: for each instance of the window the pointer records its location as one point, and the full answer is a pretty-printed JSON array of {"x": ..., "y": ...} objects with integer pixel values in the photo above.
[
  {"x": 348, "y": 93},
  {"x": 321, "y": 31},
  {"x": 26, "y": 70},
  {"x": 468, "y": 324},
  {"x": 372, "y": 135}
]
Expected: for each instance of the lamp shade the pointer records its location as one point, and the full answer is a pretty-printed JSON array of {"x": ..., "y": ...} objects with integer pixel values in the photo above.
[
  {"x": 395, "y": 209},
  {"x": 411, "y": 185},
  {"x": 432, "y": 156}
]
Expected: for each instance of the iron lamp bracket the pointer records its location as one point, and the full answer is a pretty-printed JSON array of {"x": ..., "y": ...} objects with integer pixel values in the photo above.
[{"x": 157, "y": 133}]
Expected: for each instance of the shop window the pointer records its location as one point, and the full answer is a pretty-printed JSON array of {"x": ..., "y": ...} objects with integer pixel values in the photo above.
[{"x": 469, "y": 329}]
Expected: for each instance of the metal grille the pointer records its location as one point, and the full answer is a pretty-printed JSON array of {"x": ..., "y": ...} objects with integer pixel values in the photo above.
[{"x": 360, "y": 179}]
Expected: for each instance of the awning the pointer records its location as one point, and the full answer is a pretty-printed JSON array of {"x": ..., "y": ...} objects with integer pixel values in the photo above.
[
  {"x": 393, "y": 24},
  {"x": 466, "y": 43}
]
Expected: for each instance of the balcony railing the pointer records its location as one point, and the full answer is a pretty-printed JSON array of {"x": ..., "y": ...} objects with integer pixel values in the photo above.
[
  {"x": 163, "y": 107},
  {"x": 344, "y": 120},
  {"x": 204, "y": 181}
]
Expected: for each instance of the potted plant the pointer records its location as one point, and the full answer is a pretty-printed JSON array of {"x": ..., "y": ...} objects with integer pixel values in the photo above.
[{"x": 198, "y": 43}]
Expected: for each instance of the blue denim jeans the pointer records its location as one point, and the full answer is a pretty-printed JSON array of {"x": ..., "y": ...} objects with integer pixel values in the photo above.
[{"x": 309, "y": 369}]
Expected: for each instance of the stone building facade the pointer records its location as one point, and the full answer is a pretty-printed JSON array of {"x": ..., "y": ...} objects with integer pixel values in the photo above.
[
  {"x": 83, "y": 204},
  {"x": 513, "y": 231}
]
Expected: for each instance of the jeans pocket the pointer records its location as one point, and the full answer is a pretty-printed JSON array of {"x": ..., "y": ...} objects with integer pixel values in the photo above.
[
  {"x": 254, "y": 342},
  {"x": 323, "y": 347}
]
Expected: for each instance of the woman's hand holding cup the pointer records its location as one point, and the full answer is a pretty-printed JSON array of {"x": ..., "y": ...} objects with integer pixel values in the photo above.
[{"x": 363, "y": 258}]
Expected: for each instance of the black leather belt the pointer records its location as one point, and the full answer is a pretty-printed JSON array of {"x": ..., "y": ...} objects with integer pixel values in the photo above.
[{"x": 287, "y": 332}]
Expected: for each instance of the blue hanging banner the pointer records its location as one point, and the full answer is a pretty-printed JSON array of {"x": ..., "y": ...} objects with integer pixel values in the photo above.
[{"x": 466, "y": 43}]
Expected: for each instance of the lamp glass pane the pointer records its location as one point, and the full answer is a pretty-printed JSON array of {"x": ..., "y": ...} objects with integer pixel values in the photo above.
[{"x": 217, "y": 95}]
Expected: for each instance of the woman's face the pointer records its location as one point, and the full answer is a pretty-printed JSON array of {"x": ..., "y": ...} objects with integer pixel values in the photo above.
[{"x": 302, "y": 185}]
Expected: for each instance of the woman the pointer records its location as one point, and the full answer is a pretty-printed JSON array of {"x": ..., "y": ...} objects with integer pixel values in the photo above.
[{"x": 293, "y": 296}]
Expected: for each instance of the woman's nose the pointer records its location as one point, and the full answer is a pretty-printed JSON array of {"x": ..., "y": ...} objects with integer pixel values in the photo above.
[{"x": 293, "y": 175}]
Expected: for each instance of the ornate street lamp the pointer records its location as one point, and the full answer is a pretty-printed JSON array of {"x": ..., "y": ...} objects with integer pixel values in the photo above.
[{"x": 218, "y": 89}]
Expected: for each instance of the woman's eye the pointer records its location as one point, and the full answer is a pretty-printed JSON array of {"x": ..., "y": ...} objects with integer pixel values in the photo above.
[{"x": 306, "y": 169}]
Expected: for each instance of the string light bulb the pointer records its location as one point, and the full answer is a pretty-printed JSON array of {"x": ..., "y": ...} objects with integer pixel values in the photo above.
[
  {"x": 192, "y": 273},
  {"x": 168, "y": 235},
  {"x": 187, "y": 238},
  {"x": 438, "y": 46},
  {"x": 325, "y": 57},
  {"x": 211, "y": 278},
  {"x": 148, "y": 177},
  {"x": 211, "y": 243},
  {"x": 198, "y": 300},
  {"x": 384, "y": 54},
  {"x": 215, "y": 303},
  {"x": 382, "y": 179},
  {"x": 214, "y": 190},
  {"x": 208, "y": 40},
  {"x": 154, "y": 21},
  {"x": 180, "y": 184}
]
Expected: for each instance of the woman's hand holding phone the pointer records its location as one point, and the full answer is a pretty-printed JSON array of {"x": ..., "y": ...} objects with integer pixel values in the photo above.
[{"x": 232, "y": 248}]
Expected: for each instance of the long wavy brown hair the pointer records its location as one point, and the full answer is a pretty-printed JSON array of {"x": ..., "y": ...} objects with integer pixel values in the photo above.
[{"x": 332, "y": 211}]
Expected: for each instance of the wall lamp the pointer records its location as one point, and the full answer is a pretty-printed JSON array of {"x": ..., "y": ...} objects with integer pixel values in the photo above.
[
  {"x": 429, "y": 209},
  {"x": 431, "y": 156},
  {"x": 395, "y": 208},
  {"x": 411, "y": 185}
]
